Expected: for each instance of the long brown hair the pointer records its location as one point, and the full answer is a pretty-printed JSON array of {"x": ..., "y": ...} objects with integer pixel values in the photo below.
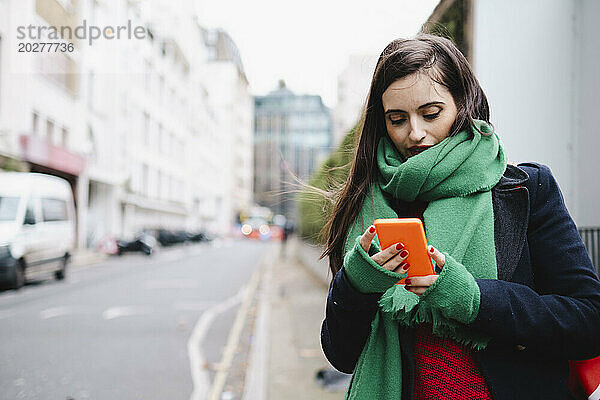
[{"x": 445, "y": 64}]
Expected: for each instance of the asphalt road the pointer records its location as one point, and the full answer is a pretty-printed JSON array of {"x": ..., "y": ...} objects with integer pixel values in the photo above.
[{"x": 130, "y": 328}]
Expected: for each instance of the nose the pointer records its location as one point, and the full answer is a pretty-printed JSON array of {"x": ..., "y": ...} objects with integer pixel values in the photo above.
[{"x": 417, "y": 133}]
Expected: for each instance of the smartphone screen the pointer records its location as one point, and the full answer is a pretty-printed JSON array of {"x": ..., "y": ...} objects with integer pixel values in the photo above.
[{"x": 410, "y": 232}]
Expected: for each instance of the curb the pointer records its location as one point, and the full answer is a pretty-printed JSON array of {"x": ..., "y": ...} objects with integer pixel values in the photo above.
[{"x": 255, "y": 384}]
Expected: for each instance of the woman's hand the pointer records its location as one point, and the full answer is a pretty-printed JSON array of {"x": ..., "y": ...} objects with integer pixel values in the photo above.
[
  {"x": 419, "y": 284},
  {"x": 393, "y": 258}
]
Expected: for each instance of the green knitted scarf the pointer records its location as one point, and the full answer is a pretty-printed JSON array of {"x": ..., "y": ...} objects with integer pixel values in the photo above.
[{"x": 456, "y": 177}]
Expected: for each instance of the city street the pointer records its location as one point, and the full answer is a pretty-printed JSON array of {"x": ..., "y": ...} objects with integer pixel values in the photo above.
[{"x": 133, "y": 327}]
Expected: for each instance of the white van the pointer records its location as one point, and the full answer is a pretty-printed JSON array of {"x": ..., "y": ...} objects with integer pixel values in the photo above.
[{"x": 37, "y": 227}]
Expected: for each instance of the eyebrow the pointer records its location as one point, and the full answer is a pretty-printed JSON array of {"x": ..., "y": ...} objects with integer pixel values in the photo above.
[{"x": 431, "y": 103}]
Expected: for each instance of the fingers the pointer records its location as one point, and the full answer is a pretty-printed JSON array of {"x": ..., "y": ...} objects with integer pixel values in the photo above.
[
  {"x": 438, "y": 257},
  {"x": 402, "y": 268},
  {"x": 366, "y": 239},
  {"x": 392, "y": 257},
  {"x": 419, "y": 284}
]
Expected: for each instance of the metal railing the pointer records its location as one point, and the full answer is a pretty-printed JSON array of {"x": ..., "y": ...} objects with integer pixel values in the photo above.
[{"x": 591, "y": 239}]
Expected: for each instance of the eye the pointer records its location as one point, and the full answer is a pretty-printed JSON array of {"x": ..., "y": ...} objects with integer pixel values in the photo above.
[
  {"x": 397, "y": 120},
  {"x": 432, "y": 115}
]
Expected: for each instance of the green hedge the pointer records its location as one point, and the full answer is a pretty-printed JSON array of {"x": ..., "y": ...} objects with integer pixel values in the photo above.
[{"x": 314, "y": 207}]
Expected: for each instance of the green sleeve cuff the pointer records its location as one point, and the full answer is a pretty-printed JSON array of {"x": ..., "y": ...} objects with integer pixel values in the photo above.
[
  {"x": 365, "y": 274},
  {"x": 455, "y": 294}
]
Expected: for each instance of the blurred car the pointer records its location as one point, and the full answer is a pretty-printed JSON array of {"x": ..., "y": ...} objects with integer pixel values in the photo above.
[
  {"x": 256, "y": 228},
  {"x": 198, "y": 237},
  {"x": 170, "y": 237},
  {"x": 37, "y": 227},
  {"x": 142, "y": 242}
]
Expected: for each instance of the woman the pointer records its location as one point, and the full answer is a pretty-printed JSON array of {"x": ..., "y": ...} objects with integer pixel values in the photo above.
[{"x": 516, "y": 296}]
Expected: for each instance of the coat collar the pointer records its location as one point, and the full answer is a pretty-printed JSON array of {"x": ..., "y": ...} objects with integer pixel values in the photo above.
[
  {"x": 513, "y": 176},
  {"x": 510, "y": 199}
]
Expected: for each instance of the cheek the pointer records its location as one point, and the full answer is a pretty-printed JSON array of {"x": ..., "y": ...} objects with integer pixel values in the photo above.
[
  {"x": 394, "y": 133},
  {"x": 442, "y": 129},
  {"x": 398, "y": 137}
]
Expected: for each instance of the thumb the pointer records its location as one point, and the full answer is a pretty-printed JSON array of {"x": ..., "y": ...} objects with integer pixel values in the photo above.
[
  {"x": 438, "y": 257},
  {"x": 367, "y": 238}
]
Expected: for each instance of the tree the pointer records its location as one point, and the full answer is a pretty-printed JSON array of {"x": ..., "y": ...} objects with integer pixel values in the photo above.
[{"x": 315, "y": 202}]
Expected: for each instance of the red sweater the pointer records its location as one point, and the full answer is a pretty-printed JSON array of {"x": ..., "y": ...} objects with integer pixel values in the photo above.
[{"x": 444, "y": 369}]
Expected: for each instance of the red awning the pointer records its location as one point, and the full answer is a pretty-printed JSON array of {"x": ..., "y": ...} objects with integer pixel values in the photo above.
[{"x": 38, "y": 151}]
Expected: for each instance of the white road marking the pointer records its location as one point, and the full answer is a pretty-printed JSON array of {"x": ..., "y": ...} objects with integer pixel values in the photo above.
[
  {"x": 56, "y": 312},
  {"x": 255, "y": 387},
  {"x": 123, "y": 311},
  {"x": 200, "y": 376},
  {"x": 234, "y": 336},
  {"x": 596, "y": 394},
  {"x": 171, "y": 284}
]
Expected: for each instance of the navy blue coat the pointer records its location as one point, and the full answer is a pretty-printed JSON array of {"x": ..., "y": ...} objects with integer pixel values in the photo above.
[{"x": 543, "y": 310}]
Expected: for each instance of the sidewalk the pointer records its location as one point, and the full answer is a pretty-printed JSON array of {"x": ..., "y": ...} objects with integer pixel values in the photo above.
[{"x": 297, "y": 305}]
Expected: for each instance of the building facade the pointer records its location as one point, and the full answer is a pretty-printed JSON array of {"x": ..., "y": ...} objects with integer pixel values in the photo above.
[
  {"x": 131, "y": 123},
  {"x": 352, "y": 91},
  {"x": 41, "y": 114},
  {"x": 230, "y": 98},
  {"x": 292, "y": 136},
  {"x": 538, "y": 64}
]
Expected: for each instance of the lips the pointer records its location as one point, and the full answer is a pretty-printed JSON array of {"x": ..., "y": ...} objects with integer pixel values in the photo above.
[{"x": 416, "y": 150}]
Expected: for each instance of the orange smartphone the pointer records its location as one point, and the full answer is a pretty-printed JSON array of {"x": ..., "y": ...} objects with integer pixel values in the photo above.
[{"x": 410, "y": 232}]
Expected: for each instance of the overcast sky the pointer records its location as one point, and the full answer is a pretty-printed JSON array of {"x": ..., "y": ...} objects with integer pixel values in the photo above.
[{"x": 307, "y": 42}]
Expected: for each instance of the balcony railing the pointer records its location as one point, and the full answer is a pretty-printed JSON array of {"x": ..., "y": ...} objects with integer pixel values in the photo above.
[{"x": 591, "y": 239}]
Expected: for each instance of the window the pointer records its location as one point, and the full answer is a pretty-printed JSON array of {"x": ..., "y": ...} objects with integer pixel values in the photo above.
[
  {"x": 92, "y": 143},
  {"x": 172, "y": 98},
  {"x": 50, "y": 130},
  {"x": 35, "y": 122},
  {"x": 65, "y": 137},
  {"x": 146, "y": 130},
  {"x": 54, "y": 210},
  {"x": 8, "y": 208},
  {"x": 29, "y": 215},
  {"x": 161, "y": 88},
  {"x": 162, "y": 138},
  {"x": 144, "y": 179},
  {"x": 152, "y": 182},
  {"x": 159, "y": 185}
]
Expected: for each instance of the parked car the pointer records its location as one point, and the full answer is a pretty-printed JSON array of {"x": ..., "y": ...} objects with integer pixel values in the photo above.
[
  {"x": 37, "y": 227},
  {"x": 142, "y": 242},
  {"x": 198, "y": 237},
  {"x": 169, "y": 237}
]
